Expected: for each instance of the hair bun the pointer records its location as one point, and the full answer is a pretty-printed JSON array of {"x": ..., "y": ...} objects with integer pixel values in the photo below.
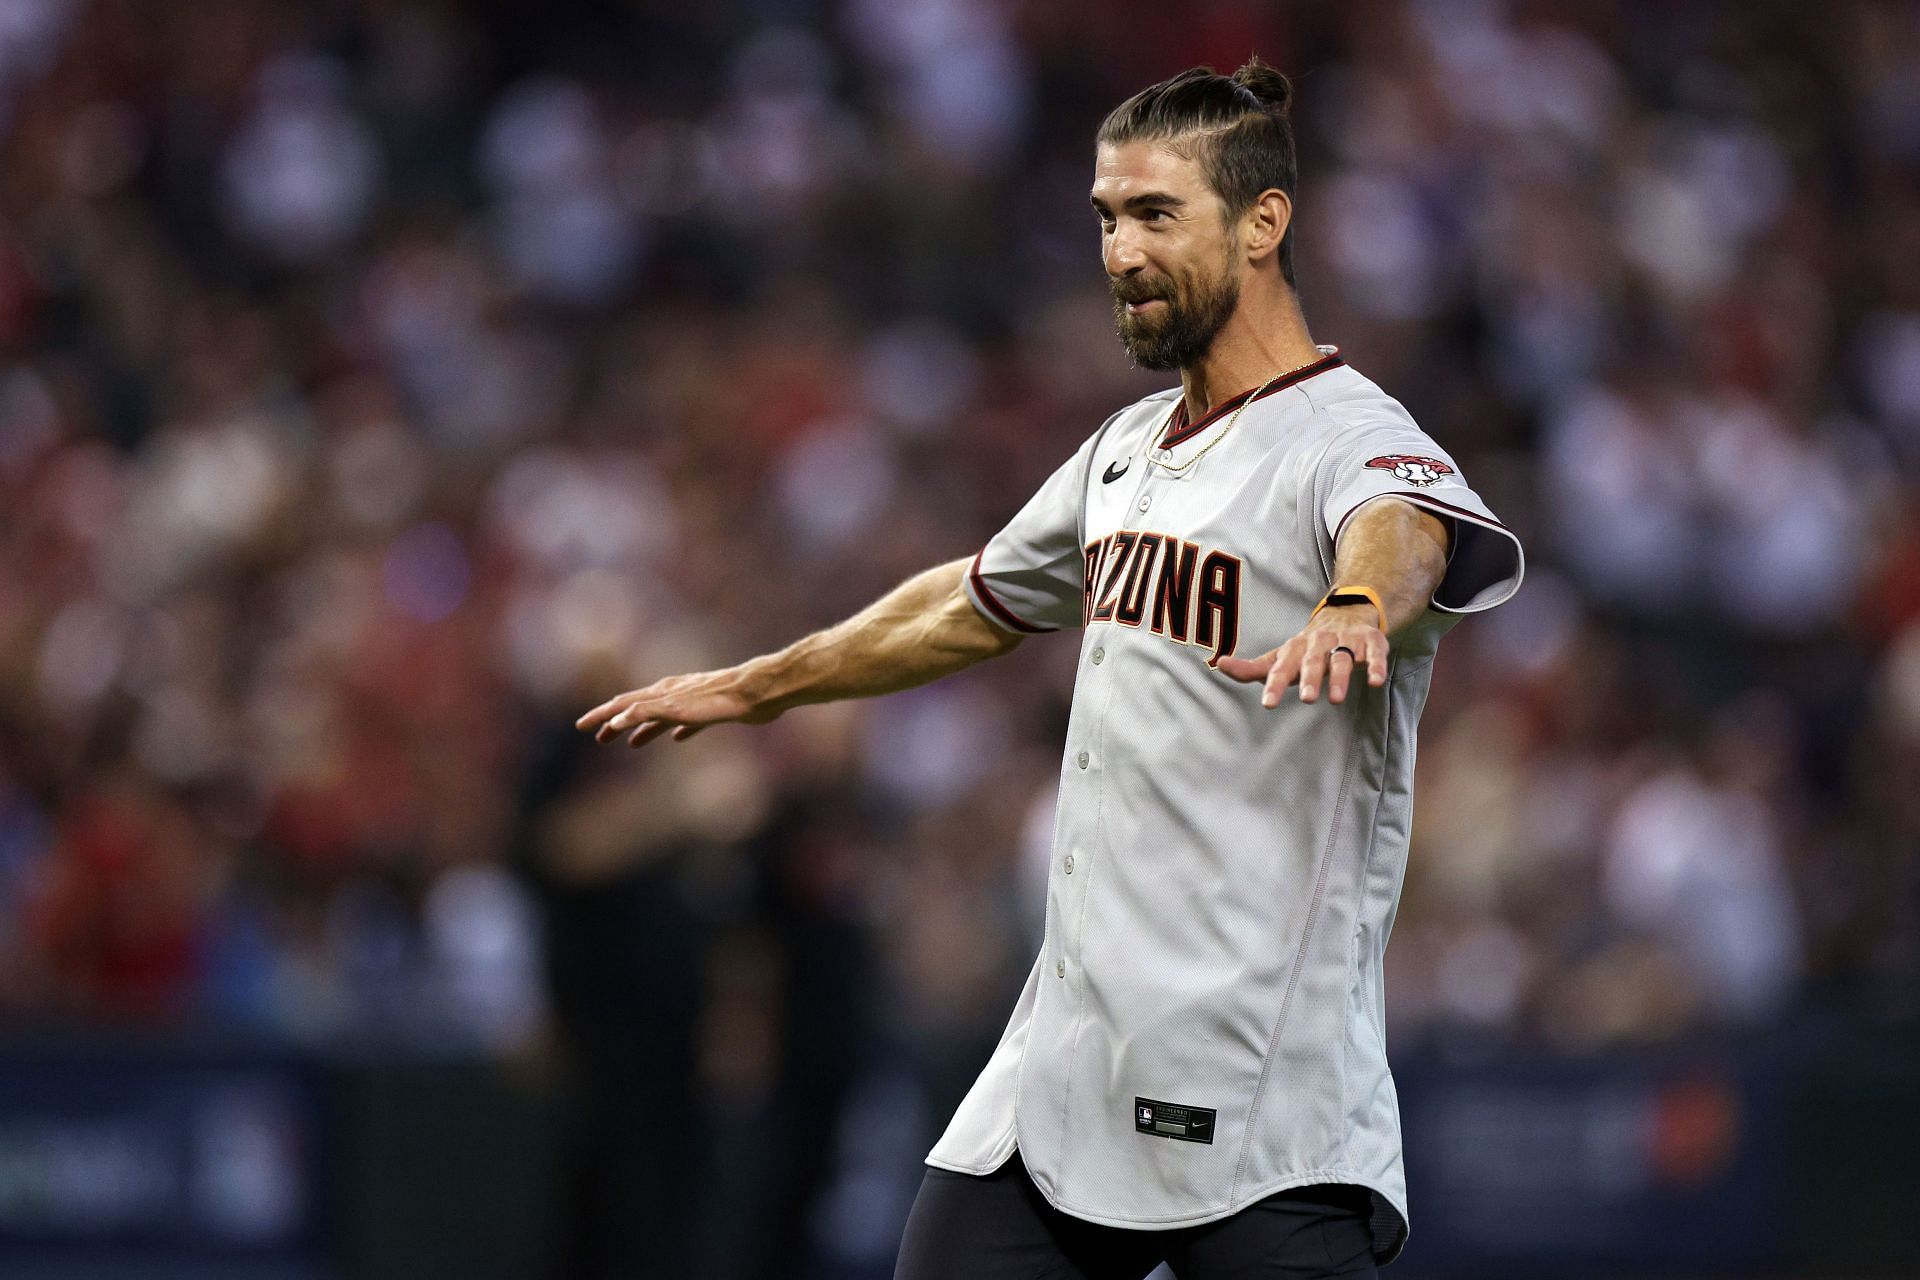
[{"x": 1274, "y": 90}]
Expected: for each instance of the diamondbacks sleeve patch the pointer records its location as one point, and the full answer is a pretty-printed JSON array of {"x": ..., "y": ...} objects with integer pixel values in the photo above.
[{"x": 1412, "y": 468}]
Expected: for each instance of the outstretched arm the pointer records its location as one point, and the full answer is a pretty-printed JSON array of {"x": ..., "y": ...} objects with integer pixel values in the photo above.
[
  {"x": 923, "y": 629},
  {"x": 1394, "y": 547}
]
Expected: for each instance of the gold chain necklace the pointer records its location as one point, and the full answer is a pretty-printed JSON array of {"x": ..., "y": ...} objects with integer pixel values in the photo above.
[{"x": 1231, "y": 419}]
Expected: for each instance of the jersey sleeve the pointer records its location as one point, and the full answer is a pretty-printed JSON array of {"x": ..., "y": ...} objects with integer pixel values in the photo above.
[
  {"x": 1485, "y": 563},
  {"x": 1031, "y": 576}
]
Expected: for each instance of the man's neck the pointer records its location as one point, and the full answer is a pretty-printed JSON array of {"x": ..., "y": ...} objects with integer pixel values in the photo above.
[{"x": 1260, "y": 343}]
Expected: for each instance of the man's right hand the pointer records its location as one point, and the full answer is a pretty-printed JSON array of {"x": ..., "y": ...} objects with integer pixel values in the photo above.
[
  {"x": 682, "y": 704},
  {"x": 925, "y": 628}
]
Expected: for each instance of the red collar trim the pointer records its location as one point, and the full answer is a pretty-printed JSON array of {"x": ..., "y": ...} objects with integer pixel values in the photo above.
[{"x": 1178, "y": 428}]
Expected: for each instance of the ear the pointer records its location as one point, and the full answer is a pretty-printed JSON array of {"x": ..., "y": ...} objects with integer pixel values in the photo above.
[{"x": 1264, "y": 225}]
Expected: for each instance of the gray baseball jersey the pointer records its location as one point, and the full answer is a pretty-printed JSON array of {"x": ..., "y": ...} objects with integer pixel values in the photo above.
[{"x": 1204, "y": 1024}]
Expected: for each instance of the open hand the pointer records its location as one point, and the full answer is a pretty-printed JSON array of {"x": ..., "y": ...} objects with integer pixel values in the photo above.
[
  {"x": 1333, "y": 644},
  {"x": 683, "y": 705}
]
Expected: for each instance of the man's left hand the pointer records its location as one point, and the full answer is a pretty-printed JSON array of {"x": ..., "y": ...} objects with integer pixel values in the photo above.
[{"x": 1333, "y": 644}]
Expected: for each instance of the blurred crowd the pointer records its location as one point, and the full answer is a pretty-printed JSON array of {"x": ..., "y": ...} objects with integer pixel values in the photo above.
[{"x": 382, "y": 385}]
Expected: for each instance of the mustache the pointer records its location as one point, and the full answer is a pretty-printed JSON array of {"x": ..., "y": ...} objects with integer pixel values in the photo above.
[{"x": 1130, "y": 289}]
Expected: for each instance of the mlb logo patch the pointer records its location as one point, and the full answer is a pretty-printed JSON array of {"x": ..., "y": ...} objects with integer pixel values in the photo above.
[{"x": 1160, "y": 1119}]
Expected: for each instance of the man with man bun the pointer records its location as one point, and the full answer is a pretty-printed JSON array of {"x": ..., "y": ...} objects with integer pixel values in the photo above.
[{"x": 1195, "y": 1072}]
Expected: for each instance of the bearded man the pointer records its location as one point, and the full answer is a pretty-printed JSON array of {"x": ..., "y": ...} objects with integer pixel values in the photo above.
[{"x": 1196, "y": 1071}]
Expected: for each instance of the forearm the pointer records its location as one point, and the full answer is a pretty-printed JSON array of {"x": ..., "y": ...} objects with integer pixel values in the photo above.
[
  {"x": 1399, "y": 550},
  {"x": 1391, "y": 546},
  {"x": 921, "y": 630}
]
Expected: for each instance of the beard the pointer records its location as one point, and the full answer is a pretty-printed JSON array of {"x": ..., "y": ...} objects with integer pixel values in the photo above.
[{"x": 1197, "y": 308}]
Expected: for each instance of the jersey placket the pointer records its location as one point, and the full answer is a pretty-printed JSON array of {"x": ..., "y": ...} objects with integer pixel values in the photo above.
[
  {"x": 1087, "y": 845},
  {"x": 1080, "y": 848}
]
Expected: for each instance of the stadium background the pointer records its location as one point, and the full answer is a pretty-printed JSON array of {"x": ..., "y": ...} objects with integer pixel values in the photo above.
[{"x": 384, "y": 384}]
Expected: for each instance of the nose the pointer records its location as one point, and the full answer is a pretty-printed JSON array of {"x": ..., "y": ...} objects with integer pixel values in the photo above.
[{"x": 1121, "y": 253}]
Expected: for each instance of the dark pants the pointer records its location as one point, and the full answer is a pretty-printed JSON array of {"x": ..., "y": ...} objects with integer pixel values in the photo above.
[{"x": 999, "y": 1227}]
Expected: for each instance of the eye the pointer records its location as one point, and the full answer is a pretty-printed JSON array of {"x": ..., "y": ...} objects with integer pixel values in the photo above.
[{"x": 1153, "y": 215}]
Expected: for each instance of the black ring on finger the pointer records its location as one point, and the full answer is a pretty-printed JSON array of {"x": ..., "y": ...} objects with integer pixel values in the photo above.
[{"x": 1340, "y": 648}]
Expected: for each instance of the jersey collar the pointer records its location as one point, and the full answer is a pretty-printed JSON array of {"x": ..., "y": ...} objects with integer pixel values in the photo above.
[{"x": 1179, "y": 429}]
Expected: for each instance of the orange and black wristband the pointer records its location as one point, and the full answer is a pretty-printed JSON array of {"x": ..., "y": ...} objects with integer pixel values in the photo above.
[{"x": 1351, "y": 593}]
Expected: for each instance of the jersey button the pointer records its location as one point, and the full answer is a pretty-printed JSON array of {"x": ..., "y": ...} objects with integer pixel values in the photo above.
[
  {"x": 1082, "y": 759},
  {"x": 1069, "y": 864},
  {"x": 1060, "y": 968},
  {"x": 1099, "y": 656},
  {"x": 1145, "y": 502}
]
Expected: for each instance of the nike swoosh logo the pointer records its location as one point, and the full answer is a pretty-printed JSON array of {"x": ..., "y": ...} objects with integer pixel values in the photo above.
[{"x": 1111, "y": 475}]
